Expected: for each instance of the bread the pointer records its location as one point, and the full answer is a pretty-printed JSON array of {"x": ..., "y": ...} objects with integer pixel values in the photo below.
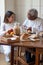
[
  {"x": 24, "y": 36},
  {"x": 41, "y": 33}
]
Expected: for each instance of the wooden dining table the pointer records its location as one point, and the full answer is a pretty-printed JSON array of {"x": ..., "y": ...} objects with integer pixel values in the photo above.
[{"x": 38, "y": 45}]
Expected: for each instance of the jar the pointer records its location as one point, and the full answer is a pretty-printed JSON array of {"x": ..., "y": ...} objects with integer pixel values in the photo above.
[{"x": 17, "y": 29}]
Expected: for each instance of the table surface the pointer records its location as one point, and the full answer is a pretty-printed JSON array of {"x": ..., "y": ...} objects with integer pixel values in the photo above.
[{"x": 25, "y": 43}]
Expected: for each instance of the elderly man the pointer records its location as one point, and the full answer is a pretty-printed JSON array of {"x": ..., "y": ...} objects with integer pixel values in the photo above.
[
  {"x": 33, "y": 21},
  {"x": 36, "y": 24}
]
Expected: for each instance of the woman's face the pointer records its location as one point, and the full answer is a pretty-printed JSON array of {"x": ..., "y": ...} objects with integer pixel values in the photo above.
[{"x": 11, "y": 18}]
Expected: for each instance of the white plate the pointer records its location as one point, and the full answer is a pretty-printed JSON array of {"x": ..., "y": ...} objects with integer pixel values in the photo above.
[
  {"x": 33, "y": 36},
  {"x": 34, "y": 39}
]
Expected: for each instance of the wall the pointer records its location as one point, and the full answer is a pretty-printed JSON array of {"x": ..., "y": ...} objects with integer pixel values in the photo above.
[
  {"x": 36, "y": 5},
  {"x": 41, "y": 8},
  {"x": 10, "y": 5},
  {"x": 22, "y": 6}
]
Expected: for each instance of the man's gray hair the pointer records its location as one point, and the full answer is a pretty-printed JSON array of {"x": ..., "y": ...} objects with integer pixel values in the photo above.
[{"x": 33, "y": 12}]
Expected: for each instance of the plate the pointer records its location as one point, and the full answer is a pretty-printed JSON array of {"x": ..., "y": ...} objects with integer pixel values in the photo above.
[{"x": 34, "y": 39}]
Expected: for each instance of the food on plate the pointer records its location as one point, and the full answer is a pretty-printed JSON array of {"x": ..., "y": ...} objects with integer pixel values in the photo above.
[
  {"x": 41, "y": 33},
  {"x": 24, "y": 36},
  {"x": 10, "y": 39},
  {"x": 12, "y": 33},
  {"x": 16, "y": 38},
  {"x": 9, "y": 33}
]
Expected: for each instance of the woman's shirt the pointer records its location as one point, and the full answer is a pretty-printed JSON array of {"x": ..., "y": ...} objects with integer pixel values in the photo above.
[{"x": 8, "y": 26}]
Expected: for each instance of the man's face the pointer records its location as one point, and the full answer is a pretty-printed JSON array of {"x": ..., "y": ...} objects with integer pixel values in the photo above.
[{"x": 29, "y": 16}]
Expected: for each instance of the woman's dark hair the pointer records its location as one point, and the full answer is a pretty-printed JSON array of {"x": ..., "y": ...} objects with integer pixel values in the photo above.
[{"x": 7, "y": 15}]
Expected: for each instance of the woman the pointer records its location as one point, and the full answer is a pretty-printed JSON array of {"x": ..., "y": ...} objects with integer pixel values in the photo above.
[{"x": 9, "y": 21}]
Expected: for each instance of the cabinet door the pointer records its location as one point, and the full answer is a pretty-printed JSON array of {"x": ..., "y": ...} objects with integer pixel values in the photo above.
[{"x": 2, "y": 11}]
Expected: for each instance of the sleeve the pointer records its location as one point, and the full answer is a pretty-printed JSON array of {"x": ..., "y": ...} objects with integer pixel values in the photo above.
[
  {"x": 40, "y": 26},
  {"x": 25, "y": 24}
]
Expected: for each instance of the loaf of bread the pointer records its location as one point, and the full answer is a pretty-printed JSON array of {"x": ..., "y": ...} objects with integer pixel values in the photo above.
[{"x": 24, "y": 36}]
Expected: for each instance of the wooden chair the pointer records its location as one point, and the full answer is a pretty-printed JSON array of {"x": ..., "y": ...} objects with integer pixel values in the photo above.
[
  {"x": 22, "y": 61},
  {"x": 18, "y": 59},
  {"x": 40, "y": 52}
]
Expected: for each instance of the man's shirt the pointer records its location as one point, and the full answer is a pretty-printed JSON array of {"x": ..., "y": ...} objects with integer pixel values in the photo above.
[{"x": 36, "y": 24}]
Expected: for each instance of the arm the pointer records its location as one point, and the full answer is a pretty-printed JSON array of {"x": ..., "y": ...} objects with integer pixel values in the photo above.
[
  {"x": 40, "y": 27},
  {"x": 26, "y": 24}
]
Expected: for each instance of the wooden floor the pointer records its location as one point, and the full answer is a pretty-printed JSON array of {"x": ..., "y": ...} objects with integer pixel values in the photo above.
[{"x": 2, "y": 60}]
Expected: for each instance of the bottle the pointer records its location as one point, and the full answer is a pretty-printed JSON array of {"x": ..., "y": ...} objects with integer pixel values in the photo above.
[{"x": 17, "y": 29}]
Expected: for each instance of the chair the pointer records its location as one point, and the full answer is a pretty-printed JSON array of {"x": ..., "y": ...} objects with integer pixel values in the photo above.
[
  {"x": 21, "y": 59},
  {"x": 18, "y": 59}
]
